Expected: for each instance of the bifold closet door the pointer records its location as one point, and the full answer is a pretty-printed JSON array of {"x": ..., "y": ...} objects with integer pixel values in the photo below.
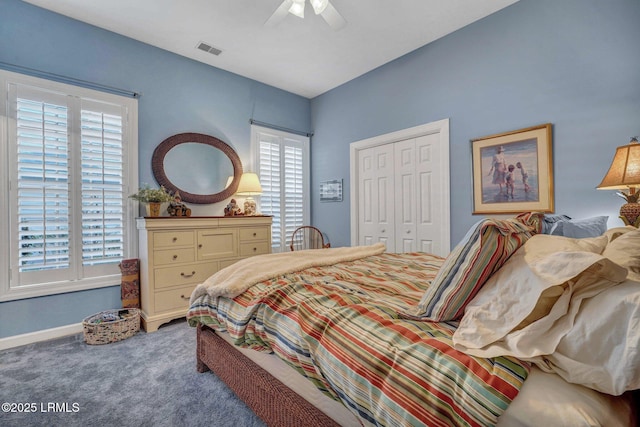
[
  {"x": 400, "y": 190},
  {"x": 404, "y": 195},
  {"x": 398, "y": 196},
  {"x": 376, "y": 202},
  {"x": 415, "y": 172}
]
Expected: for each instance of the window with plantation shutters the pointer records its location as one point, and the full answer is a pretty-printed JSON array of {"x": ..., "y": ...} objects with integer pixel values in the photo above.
[
  {"x": 283, "y": 167},
  {"x": 70, "y": 152}
]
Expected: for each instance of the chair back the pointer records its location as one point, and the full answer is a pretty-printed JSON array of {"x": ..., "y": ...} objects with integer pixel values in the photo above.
[{"x": 307, "y": 237}]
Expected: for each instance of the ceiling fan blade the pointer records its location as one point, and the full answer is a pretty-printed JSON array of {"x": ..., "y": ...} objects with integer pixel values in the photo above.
[
  {"x": 280, "y": 13},
  {"x": 333, "y": 17}
]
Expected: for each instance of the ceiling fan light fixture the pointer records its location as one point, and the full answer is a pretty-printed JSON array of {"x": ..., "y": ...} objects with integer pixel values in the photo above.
[
  {"x": 319, "y": 5},
  {"x": 297, "y": 8}
]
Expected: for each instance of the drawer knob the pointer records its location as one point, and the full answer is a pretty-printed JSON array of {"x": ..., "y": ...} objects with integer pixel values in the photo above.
[
  {"x": 175, "y": 257},
  {"x": 188, "y": 275},
  {"x": 255, "y": 234},
  {"x": 255, "y": 249},
  {"x": 175, "y": 239},
  {"x": 200, "y": 245},
  {"x": 183, "y": 297}
]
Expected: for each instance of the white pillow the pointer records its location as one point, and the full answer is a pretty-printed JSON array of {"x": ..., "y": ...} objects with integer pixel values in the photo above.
[
  {"x": 526, "y": 307},
  {"x": 613, "y": 233},
  {"x": 602, "y": 350},
  {"x": 625, "y": 251}
]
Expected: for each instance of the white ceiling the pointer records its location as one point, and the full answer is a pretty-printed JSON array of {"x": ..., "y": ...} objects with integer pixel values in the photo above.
[{"x": 303, "y": 56}]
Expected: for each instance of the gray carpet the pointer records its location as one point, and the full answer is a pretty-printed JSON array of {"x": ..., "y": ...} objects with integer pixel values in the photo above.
[{"x": 146, "y": 380}]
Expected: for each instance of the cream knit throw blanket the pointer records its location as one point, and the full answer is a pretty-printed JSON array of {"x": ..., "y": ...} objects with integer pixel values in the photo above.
[{"x": 240, "y": 276}]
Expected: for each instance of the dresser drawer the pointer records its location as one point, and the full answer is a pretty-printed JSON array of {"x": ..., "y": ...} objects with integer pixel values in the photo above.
[
  {"x": 254, "y": 248},
  {"x": 174, "y": 256},
  {"x": 217, "y": 243},
  {"x": 183, "y": 274},
  {"x": 173, "y": 299},
  {"x": 258, "y": 233},
  {"x": 167, "y": 239}
]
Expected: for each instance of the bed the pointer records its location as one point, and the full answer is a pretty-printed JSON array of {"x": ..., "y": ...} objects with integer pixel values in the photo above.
[{"x": 358, "y": 336}]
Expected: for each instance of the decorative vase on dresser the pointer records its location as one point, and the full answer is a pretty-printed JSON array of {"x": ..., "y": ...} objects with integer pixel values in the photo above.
[{"x": 178, "y": 253}]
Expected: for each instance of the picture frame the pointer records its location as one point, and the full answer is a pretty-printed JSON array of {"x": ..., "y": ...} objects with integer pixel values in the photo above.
[
  {"x": 513, "y": 171},
  {"x": 331, "y": 191}
]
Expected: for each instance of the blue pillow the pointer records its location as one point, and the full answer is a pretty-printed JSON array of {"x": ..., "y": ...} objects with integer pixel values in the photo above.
[
  {"x": 580, "y": 228},
  {"x": 550, "y": 220}
]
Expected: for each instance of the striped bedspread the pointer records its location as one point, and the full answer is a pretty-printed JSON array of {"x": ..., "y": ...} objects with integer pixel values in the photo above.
[{"x": 339, "y": 327}]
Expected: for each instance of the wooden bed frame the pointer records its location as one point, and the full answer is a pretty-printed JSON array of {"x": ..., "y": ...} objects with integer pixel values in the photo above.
[{"x": 270, "y": 399}]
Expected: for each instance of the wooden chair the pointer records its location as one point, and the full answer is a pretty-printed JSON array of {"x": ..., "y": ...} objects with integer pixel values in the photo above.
[{"x": 307, "y": 237}]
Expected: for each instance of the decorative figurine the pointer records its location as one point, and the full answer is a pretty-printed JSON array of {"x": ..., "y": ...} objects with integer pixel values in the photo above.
[
  {"x": 249, "y": 206},
  {"x": 177, "y": 208},
  {"x": 232, "y": 209}
]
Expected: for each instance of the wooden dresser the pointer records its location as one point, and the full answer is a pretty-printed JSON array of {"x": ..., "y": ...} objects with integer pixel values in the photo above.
[{"x": 178, "y": 253}]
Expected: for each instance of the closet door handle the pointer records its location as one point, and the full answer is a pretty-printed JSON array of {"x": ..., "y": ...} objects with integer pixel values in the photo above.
[{"x": 188, "y": 275}]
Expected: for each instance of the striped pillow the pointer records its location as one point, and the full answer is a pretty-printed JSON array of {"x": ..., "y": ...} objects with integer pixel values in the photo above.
[
  {"x": 533, "y": 219},
  {"x": 482, "y": 251}
]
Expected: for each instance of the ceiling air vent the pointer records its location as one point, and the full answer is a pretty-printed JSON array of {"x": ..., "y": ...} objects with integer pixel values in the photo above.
[{"x": 208, "y": 48}]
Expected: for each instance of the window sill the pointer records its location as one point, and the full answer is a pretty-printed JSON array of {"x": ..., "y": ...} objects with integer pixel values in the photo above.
[{"x": 46, "y": 289}]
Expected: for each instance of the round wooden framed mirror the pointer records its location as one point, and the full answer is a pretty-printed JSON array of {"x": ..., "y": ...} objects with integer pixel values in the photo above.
[{"x": 198, "y": 166}]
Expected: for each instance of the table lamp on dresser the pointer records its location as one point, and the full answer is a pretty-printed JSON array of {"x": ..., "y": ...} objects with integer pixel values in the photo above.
[{"x": 249, "y": 186}]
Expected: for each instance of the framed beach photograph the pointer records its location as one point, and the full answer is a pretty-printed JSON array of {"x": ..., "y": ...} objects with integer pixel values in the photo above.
[
  {"x": 513, "y": 171},
  {"x": 331, "y": 191}
]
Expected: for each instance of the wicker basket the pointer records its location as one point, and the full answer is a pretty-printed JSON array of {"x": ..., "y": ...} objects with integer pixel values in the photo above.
[{"x": 101, "y": 329}]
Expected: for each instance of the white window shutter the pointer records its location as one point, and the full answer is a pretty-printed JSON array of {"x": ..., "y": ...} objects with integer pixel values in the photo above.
[
  {"x": 42, "y": 187},
  {"x": 271, "y": 197},
  {"x": 294, "y": 193},
  {"x": 102, "y": 188}
]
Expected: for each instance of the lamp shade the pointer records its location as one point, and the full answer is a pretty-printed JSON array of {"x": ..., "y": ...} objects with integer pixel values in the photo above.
[
  {"x": 249, "y": 185},
  {"x": 624, "y": 171}
]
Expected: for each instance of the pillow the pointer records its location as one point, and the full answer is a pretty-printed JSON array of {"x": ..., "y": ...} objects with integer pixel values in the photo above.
[
  {"x": 625, "y": 251},
  {"x": 613, "y": 233},
  {"x": 532, "y": 219},
  {"x": 482, "y": 251},
  {"x": 602, "y": 349},
  {"x": 543, "y": 244},
  {"x": 529, "y": 304},
  {"x": 579, "y": 228},
  {"x": 549, "y": 220}
]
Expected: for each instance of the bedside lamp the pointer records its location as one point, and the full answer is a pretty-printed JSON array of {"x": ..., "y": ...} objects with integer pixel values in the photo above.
[
  {"x": 624, "y": 173},
  {"x": 249, "y": 186}
]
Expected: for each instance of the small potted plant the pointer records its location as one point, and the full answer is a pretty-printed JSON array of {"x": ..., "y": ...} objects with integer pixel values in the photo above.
[{"x": 152, "y": 198}]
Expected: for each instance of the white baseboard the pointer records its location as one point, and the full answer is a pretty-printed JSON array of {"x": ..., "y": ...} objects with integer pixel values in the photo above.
[{"x": 44, "y": 335}]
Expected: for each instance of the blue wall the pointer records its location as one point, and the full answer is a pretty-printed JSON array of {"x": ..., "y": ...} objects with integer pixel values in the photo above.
[
  {"x": 178, "y": 95},
  {"x": 572, "y": 63}
]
